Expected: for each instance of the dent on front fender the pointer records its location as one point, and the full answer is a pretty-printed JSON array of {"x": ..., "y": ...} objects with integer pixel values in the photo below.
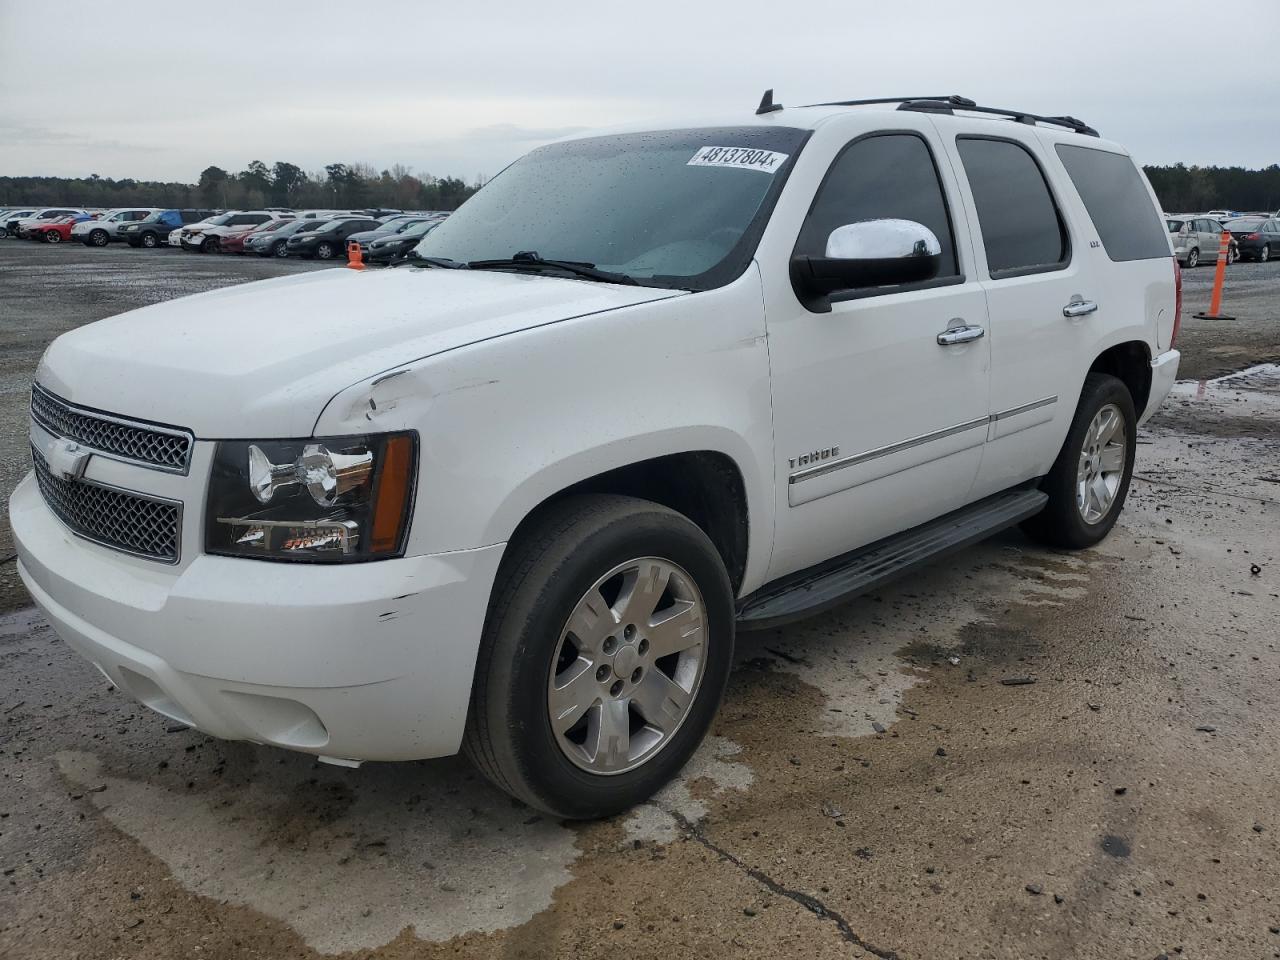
[{"x": 396, "y": 400}]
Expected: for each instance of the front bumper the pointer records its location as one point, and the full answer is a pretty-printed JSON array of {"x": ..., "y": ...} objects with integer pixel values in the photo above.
[
  {"x": 366, "y": 661},
  {"x": 1164, "y": 371}
]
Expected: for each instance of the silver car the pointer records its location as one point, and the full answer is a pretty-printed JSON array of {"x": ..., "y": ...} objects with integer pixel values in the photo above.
[{"x": 1196, "y": 239}]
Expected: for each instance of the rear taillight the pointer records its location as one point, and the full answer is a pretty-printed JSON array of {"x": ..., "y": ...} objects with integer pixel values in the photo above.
[
  {"x": 1253, "y": 236},
  {"x": 1177, "y": 301}
]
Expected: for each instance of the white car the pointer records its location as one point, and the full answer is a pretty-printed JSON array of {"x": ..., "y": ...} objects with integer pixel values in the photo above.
[
  {"x": 100, "y": 232},
  {"x": 643, "y": 390},
  {"x": 174, "y": 239}
]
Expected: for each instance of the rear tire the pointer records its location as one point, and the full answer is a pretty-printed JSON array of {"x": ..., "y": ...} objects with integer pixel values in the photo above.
[
  {"x": 1265, "y": 255},
  {"x": 1089, "y": 481},
  {"x": 1193, "y": 258},
  {"x": 597, "y": 553}
]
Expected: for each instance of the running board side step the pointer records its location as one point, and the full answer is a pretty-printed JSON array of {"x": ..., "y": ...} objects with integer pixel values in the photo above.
[{"x": 830, "y": 584}]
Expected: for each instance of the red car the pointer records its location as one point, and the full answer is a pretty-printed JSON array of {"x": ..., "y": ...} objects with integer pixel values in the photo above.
[
  {"x": 231, "y": 239},
  {"x": 55, "y": 231}
]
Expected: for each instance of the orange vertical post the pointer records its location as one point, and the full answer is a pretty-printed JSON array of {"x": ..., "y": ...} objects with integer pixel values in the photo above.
[
  {"x": 1219, "y": 276},
  {"x": 355, "y": 259}
]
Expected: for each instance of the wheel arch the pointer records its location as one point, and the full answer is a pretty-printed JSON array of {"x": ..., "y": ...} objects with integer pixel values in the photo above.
[
  {"x": 1130, "y": 363},
  {"x": 706, "y": 486}
]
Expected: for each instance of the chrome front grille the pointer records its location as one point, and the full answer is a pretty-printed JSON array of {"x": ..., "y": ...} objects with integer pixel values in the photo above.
[
  {"x": 149, "y": 444},
  {"x": 131, "y": 522}
]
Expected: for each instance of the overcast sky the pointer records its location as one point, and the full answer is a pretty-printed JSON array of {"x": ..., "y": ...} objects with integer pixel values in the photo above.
[{"x": 463, "y": 88}]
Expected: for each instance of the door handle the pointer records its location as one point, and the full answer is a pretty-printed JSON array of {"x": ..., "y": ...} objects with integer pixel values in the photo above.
[
  {"x": 1079, "y": 307},
  {"x": 959, "y": 332}
]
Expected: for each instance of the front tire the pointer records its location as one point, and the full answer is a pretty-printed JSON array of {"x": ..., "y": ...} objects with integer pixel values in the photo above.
[
  {"x": 1089, "y": 481},
  {"x": 209, "y": 245},
  {"x": 99, "y": 238},
  {"x": 150, "y": 241},
  {"x": 325, "y": 251},
  {"x": 605, "y": 654},
  {"x": 278, "y": 249},
  {"x": 52, "y": 236}
]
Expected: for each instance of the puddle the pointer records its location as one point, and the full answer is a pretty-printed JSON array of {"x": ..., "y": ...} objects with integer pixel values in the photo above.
[
  {"x": 711, "y": 766},
  {"x": 348, "y": 859}
]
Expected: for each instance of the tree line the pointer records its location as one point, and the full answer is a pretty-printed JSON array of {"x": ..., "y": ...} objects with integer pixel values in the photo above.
[
  {"x": 358, "y": 185},
  {"x": 1184, "y": 189},
  {"x": 337, "y": 186}
]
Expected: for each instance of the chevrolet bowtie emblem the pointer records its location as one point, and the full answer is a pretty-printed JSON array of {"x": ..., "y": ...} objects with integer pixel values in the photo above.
[{"x": 66, "y": 458}]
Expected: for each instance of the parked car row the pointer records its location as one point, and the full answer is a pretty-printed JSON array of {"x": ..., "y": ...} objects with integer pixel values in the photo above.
[
  {"x": 270, "y": 232},
  {"x": 1197, "y": 237}
]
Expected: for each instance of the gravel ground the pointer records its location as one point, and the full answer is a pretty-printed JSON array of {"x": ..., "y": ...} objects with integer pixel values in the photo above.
[{"x": 1016, "y": 753}]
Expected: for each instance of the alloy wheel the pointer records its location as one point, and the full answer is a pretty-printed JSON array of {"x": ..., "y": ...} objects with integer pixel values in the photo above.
[
  {"x": 1102, "y": 463},
  {"x": 628, "y": 666}
]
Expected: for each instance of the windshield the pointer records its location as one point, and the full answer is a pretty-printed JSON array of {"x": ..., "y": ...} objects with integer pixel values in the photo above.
[
  {"x": 675, "y": 208},
  {"x": 1244, "y": 224}
]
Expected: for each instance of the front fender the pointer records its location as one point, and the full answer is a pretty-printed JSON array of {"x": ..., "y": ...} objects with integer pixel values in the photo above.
[{"x": 510, "y": 421}]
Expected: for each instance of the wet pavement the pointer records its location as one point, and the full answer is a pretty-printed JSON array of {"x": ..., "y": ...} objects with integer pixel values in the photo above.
[{"x": 1015, "y": 753}]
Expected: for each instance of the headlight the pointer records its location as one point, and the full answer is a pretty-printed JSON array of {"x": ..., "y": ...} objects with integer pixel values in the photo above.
[{"x": 329, "y": 499}]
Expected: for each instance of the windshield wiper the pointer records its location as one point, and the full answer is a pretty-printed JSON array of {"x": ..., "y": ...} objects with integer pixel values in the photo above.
[
  {"x": 418, "y": 259},
  {"x": 530, "y": 260}
]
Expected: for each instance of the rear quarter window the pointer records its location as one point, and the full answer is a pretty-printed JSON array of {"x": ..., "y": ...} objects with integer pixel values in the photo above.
[{"x": 1118, "y": 203}]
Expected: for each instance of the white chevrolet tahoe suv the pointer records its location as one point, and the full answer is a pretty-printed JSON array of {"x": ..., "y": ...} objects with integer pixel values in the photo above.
[{"x": 643, "y": 390}]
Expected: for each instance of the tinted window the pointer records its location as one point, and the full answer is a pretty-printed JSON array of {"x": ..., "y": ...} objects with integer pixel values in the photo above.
[
  {"x": 1116, "y": 197},
  {"x": 1175, "y": 225},
  {"x": 1021, "y": 228},
  {"x": 889, "y": 176}
]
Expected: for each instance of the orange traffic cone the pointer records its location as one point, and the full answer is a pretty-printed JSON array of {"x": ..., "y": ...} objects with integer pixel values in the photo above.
[
  {"x": 355, "y": 259},
  {"x": 1215, "y": 306}
]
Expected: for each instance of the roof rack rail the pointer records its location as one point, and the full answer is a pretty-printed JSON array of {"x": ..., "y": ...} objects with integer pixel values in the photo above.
[
  {"x": 954, "y": 102},
  {"x": 945, "y": 105}
]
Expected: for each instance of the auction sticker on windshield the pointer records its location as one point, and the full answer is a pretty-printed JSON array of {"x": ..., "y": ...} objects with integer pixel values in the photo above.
[{"x": 741, "y": 158}]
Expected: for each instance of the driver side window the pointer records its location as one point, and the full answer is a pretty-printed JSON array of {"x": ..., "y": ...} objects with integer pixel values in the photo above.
[{"x": 883, "y": 176}]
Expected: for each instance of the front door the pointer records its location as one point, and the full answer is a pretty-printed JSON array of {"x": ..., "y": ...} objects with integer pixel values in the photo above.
[{"x": 878, "y": 425}]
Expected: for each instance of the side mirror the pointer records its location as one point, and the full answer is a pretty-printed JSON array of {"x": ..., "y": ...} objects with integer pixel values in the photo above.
[{"x": 871, "y": 253}]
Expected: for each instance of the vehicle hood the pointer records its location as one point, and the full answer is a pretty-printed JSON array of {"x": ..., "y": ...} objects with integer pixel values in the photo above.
[{"x": 262, "y": 359}]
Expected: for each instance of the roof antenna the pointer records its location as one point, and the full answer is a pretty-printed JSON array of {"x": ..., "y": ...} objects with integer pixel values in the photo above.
[{"x": 766, "y": 103}]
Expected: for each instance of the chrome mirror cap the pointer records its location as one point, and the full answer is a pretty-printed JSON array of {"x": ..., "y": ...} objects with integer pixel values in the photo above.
[{"x": 888, "y": 239}]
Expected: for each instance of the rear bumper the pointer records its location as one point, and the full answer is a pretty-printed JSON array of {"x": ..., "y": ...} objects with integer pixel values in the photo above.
[
  {"x": 368, "y": 661},
  {"x": 1164, "y": 371}
]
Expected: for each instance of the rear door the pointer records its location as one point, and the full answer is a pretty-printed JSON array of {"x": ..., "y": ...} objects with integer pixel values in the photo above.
[
  {"x": 1210, "y": 240},
  {"x": 1028, "y": 271}
]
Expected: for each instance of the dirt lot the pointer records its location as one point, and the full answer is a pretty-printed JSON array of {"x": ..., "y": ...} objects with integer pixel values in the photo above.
[{"x": 874, "y": 786}]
